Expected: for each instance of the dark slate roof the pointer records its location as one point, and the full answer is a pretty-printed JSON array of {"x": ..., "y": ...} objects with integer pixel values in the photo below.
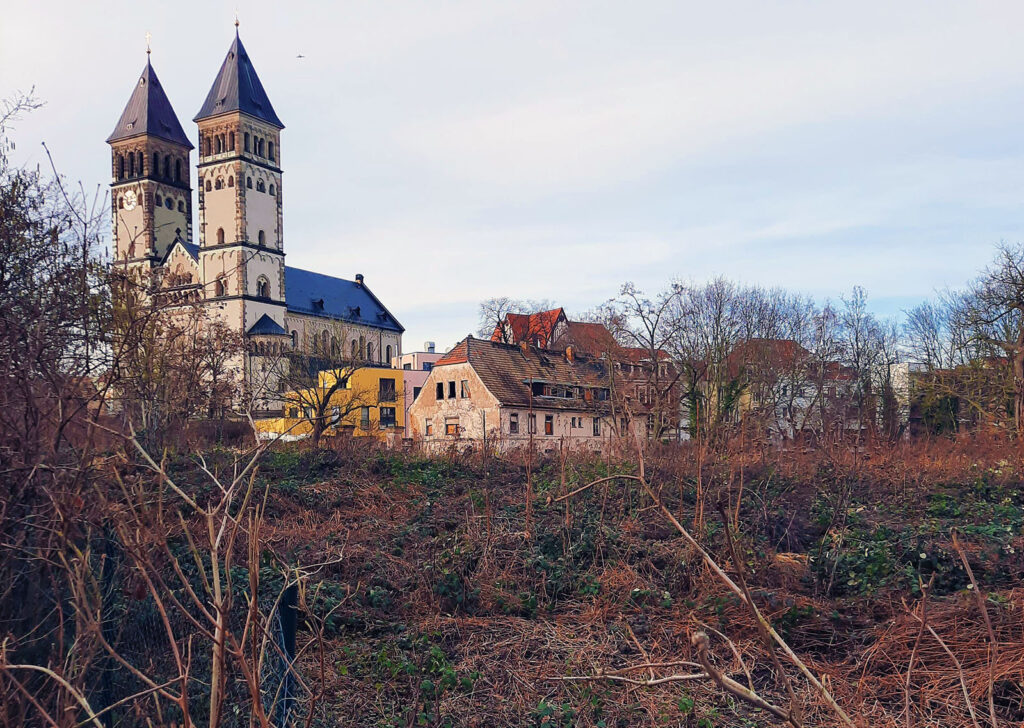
[
  {"x": 266, "y": 326},
  {"x": 238, "y": 88},
  {"x": 149, "y": 112},
  {"x": 316, "y": 294},
  {"x": 190, "y": 248}
]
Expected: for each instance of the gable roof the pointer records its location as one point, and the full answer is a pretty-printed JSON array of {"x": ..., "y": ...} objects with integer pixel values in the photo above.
[
  {"x": 238, "y": 88},
  {"x": 266, "y": 326},
  {"x": 316, "y": 294},
  {"x": 534, "y": 328},
  {"x": 149, "y": 112},
  {"x": 191, "y": 248},
  {"x": 507, "y": 371}
]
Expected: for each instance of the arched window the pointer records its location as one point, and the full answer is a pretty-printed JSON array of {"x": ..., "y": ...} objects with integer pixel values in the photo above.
[
  {"x": 325, "y": 342},
  {"x": 270, "y": 151},
  {"x": 355, "y": 348},
  {"x": 246, "y": 138},
  {"x": 177, "y": 170},
  {"x": 167, "y": 166},
  {"x": 362, "y": 346},
  {"x": 260, "y": 187},
  {"x": 131, "y": 165},
  {"x": 231, "y": 181},
  {"x": 140, "y": 158},
  {"x": 334, "y": 346},
  {"x": 156, "y": 165},
  {"x": 271, "y": 190},
  {"x": 262, "y": 237},
  {"x": 206, "y": 147},
  {"x": 387, "y": 354},
  {"x": 181, "y": 206},
  {"x": 295, "y": 334},
  {"x": 209, "y": 186},
  {"x": 369, "y": 352},
  {"x": 120, "y": 203},
  {"x": 218, "y": 145},
  {"x": 218, "y": 286},
  {"x": 263, "y": 287},
  {"x": 231, "y": 141},
  {"x": 259, "y": 149},
  {"x": 168, "y": 203},
  {"x": 220, "y": 236},
  {"x": 159, "y": 201},
  {"x": 248, "y": 182},
  {"x": 219, "y": 183},
  {"x": 120, "y": 166}
]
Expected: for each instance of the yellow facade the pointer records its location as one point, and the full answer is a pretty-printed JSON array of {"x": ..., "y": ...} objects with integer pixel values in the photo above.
[{"x": 369, "y": 404}]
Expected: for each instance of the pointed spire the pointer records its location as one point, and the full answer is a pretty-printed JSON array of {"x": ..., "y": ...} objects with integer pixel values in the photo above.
[
  {"x": 238, "y": 88},
  {"x": 149, "y": 112}
]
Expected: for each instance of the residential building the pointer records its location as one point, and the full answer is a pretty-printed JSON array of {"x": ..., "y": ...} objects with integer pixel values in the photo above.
[
  {"x": 644, "y": 384},
  {"x": 368, "y": 403},
  {"x": 415, "y": 367},
  {"x": 506, "y": 396}
]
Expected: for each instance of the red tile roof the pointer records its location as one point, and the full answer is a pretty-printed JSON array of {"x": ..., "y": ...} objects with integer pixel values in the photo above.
[{"x": 534, "y": 328}]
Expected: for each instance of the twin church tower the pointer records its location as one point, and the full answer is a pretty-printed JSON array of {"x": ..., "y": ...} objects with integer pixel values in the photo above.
[{"x": 238, "y": 264}]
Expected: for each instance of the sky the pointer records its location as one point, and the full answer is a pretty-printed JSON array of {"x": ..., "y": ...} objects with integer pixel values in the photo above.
[{"x": 457, "y": 151}]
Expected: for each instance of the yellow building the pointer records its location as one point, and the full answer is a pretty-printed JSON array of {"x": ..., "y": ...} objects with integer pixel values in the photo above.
[{"x": 365, "y": 404}]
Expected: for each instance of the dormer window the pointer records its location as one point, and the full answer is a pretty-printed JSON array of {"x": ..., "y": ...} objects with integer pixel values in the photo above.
[{"x": 318, "y": 304}]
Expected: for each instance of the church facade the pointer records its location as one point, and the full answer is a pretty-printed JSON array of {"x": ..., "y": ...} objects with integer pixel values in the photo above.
[{"x": 232, "y": 263}]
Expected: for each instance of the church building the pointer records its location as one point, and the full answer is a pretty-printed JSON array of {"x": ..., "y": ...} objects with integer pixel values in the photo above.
[{"x": 234, "y": 267}]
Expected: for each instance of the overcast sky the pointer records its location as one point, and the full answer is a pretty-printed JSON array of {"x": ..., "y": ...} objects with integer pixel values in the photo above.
[{"x": 456, "y": 151}]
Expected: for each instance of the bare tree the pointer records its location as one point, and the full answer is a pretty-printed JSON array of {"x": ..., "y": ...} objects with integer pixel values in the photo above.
[
  {"x": 493, "y": 315},
  {"x": 317, "y": 379}
]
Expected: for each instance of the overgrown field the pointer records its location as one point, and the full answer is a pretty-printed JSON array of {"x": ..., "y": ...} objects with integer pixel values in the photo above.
[{"x": 454, "y": 600}]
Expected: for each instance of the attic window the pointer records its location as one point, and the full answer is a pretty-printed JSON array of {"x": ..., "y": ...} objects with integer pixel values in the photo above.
[
  {"x": 353, "y": 311},
  {"x": 318, "y": 304}
]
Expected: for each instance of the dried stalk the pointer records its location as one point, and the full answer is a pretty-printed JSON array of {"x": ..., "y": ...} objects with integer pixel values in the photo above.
[{"x": 993, "y": 653}]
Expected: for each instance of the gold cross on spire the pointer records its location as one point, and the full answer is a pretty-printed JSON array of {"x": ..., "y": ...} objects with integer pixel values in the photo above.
[
  {"x": 236, "y": 16},
  {"x": 149, "y": 36}
]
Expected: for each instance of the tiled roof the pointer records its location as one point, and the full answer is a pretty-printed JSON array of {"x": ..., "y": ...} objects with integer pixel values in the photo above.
[
  {"x": 535, "y": 328},
  {"x": 316, "y": 294},
  {"x": 238, "y": 88},
  {"x": 149, "y": 111},
  {"x": 507, "y": 370},
  {"x": 590, "y": 338},
  {"x": 266, "y": 326}
]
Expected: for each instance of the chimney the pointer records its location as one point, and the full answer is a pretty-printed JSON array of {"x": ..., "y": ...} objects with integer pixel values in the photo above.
[
  {"x": 429, "y": 346},
  {"x": 570, "y": 355},
  {"x": 359, "y": 278}
]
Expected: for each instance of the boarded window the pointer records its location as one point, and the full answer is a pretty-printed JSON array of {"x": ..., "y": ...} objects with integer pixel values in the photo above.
[
  {"x": 549, "y": 424},
  {"x": 532, "y": 424},
  {"x": 464, "y": 388},
  {"x": 428, "y": 427},
  {"x": 513, "y": 423},
  {"x": 451, "y": 426}
]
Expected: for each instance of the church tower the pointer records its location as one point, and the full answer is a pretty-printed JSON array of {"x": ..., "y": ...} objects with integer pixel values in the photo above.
[
  {"x": 240, "y": 220},
  {"x": 150, "y": 193}
]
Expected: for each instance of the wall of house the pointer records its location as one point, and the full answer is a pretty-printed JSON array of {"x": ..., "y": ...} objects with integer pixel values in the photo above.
[{"x": 481, "y": 412}]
